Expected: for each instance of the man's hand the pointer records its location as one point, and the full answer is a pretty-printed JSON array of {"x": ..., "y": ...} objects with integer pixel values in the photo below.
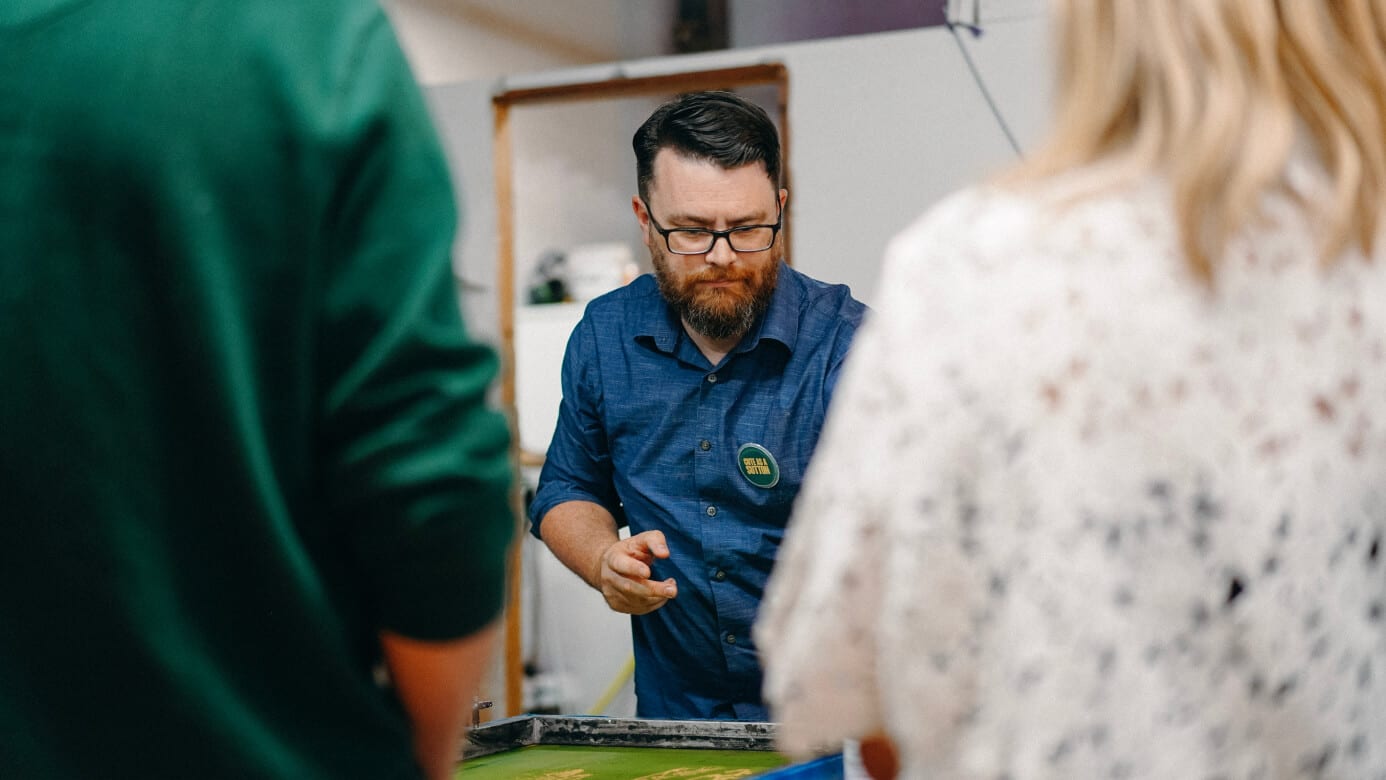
[
  {"x": 583, "y": 535},
  {"x": 624, "y": 574}
]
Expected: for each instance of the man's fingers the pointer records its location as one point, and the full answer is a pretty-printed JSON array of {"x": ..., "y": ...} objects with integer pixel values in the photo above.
[
  {"x": 644, "y": 588},
  {"x": 637, "y": 597},
  {"x": 648, "y": 545},
  {"x": 660, "y": 590},
  {"x": 627, "y": 582},
  {"x": 639, "y": 583},
  {"x": 654, "y": 542},
  {"x": 627, "y": 565},
  {"x": 647, "y": 589}
]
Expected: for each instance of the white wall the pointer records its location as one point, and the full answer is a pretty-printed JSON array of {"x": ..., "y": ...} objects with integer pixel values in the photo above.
[
  {"x": 882, "y": 126},
  {"x": 456, "y": 40}
]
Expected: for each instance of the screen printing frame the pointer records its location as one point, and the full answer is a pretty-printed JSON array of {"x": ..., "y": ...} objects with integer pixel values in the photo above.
[{"x": 597, "y": 731}]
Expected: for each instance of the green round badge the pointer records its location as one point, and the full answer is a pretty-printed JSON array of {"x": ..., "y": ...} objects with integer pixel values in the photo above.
[{"x": 758, "y": 465}]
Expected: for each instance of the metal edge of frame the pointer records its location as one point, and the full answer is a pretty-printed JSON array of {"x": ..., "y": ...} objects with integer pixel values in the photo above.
[{"x": 525, "y": 730}]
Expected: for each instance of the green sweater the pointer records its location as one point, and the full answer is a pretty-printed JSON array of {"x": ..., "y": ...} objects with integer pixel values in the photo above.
[{"x": 241, "y": 427}]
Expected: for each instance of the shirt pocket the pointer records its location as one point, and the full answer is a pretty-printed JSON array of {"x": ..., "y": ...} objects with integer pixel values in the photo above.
[{"x": 772, "y": 458}]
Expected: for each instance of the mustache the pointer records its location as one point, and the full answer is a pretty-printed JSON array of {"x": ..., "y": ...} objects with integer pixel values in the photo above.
[{"x": 721, "y": 275}]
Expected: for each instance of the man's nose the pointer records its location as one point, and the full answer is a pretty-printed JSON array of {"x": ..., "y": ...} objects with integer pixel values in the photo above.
[{"x": 721, "y": 252}]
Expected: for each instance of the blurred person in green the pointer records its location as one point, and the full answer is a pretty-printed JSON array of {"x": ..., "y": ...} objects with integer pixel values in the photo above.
[{"x": 253, "y": 506}]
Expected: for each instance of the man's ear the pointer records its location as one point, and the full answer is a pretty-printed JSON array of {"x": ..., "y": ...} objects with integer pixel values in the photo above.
[
  {"x": 784, "y": 196},
  {"x": 642, "y": 218}
]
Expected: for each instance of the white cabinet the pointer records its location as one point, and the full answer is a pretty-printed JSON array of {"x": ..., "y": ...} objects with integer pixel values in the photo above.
[{"x": 541, "y": 334}]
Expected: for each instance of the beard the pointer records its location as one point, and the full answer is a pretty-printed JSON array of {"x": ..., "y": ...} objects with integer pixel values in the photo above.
[{"x": 719, "y": 313}]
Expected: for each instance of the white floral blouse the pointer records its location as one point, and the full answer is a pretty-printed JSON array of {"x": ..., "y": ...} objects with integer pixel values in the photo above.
[{"x": 1076, "y": 516}]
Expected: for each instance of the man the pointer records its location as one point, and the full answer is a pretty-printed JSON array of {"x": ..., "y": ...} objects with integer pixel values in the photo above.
[
  {"x": 243, "y": 445},
  {"x": 691, "y": 403}
]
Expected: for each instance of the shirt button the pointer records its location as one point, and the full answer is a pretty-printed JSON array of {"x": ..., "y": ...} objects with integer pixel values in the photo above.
[
  {"x": 712, "y": 511},
  {"x": 731, "y": 639},
  {"x": 704, "y": 445},
  {"x": 720, "y": 575},
  {"x": 712, "y": 378}
]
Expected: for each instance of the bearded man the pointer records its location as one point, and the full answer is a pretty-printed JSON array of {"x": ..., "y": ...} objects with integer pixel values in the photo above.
[{"x": 692, "y": 401}]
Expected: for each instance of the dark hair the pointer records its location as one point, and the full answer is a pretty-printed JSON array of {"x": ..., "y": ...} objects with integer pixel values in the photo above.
[{"x": 716, "y": 126}]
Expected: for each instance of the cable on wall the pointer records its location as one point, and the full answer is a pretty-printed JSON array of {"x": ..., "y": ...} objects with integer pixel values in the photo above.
[{"x": 975, "y": 28}]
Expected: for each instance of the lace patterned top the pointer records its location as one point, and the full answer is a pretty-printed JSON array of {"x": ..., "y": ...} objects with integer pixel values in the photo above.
[{"x": 1075, "y": 515}]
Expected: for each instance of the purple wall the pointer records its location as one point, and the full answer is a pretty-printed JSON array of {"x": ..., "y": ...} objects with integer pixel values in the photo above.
[{"x": 761, "y": 22}]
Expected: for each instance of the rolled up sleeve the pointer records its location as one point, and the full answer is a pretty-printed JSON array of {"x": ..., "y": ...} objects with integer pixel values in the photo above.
[
  {"x": 578, "y": 465},
  {"x": 414, "y": 464}
]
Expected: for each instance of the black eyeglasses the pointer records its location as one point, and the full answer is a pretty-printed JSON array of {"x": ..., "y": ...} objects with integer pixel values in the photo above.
[{"x": 700, "y": 241}]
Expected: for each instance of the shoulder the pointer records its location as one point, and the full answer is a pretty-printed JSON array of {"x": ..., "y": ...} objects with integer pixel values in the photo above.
[
  {"x": 276, "y": 47},
  {"x": 340, "y": 54},
  {"x": 324, "y": 20},
  {"x": 824, "y": 302},
  {"x": 614, "y": 321},
  {"x": 320, "y": 36},
  {"x": 626, "y": 305},
  {"x": 999, "y": 242},
  {"x": 994, "y": 284},
  {"x": 324, "y": 71},
  {"x": 1043, "y": 216}
]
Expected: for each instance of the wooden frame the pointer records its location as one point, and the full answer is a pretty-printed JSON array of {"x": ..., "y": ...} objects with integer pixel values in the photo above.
[{"x": 774, "y": 74}]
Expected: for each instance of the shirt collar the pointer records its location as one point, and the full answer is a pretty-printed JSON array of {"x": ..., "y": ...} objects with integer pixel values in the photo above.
[
  {"x": 781, "y": 319},
  {"x": 780, "y": 322}
]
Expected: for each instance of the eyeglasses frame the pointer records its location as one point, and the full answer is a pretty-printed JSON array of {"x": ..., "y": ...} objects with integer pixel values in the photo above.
[{"x": 716, "y": 234}]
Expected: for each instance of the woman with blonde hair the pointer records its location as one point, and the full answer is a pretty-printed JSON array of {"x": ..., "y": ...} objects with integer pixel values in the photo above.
[{"x": 1104, "y": 488}]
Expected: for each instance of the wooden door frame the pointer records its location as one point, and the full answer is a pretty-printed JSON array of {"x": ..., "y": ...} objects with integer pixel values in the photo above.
[{"x": 774, "y": 74}]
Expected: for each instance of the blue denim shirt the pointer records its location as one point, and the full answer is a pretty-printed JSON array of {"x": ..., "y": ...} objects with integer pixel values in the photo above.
[{"x": 649, "y": 429}]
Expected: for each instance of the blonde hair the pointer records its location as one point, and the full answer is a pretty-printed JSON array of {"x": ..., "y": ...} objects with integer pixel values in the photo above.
[{"x": 1212, "y": 93}]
